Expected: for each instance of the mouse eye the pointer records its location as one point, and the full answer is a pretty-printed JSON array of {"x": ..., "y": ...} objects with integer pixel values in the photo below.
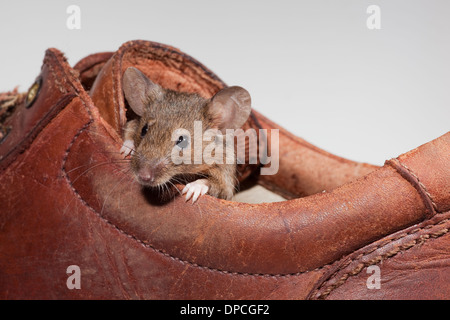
[
  {"x": 144, "y": 130},
  {"x": 182, "y": 142}
]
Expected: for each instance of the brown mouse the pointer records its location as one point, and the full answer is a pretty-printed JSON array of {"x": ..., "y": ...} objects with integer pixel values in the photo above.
[{"x": 166, "y": 129}]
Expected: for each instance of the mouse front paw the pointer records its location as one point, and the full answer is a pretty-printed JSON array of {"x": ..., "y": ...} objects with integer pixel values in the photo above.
[
  {"x": 196, "y": 189},
  {"x": 127, "y": 148}
]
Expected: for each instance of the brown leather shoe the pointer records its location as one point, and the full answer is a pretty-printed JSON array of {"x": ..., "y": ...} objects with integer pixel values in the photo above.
[{"x": 349, "y": 230}]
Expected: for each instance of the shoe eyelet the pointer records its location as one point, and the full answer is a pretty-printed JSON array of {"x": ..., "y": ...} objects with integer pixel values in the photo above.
[
  {"x": 4, "y": 131},
  {"x": 33, "y": 92}
]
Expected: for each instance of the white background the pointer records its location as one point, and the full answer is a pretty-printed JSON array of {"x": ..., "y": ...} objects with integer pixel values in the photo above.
[{"x": 311, "y": 66}]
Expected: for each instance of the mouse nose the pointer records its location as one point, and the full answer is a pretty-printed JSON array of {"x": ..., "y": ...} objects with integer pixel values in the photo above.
[{"x": 146, "y": 175}]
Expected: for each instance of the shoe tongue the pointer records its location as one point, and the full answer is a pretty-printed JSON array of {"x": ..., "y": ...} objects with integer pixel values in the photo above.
[{"x": 164, "y": 65}]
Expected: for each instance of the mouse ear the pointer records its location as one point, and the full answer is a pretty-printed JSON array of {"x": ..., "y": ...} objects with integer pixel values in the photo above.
[
  {"x": 230, "y": 108},
  {"x": 139, "y": 90}
]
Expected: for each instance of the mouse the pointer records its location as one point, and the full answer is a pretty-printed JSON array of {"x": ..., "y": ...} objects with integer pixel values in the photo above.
[{"x": 166, "y": 124}]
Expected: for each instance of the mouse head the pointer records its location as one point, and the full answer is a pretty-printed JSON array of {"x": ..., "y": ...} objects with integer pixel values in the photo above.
[{"x": 168, "y": 122}]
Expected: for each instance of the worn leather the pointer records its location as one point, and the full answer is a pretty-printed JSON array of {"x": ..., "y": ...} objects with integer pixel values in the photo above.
[{"x": 67, "y": 198}]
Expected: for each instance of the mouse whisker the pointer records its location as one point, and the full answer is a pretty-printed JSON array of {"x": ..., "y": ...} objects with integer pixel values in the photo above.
[
  {"x": 88, "y": 169},
  {"x": 95, "y": 132},
  {"x": 166, "y": 190},
  {"x": 178, "y": 180},
  {"x": 109, "y": 152},
  {"x": 125, "y": 170},
  {"x": 111, "y": 191},
  {"x": 175, "y": 187},
  {"x": 93, "y": 167}
]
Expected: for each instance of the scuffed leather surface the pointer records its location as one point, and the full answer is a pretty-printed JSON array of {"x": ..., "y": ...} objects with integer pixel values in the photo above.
[
  {"x": 414, "y": 264},
  {"x": 302, "y": 233},
  {"x": 68, "y": 200},
  {"x": 430, "y": 165},
  {"x": 26, "y": 124}
]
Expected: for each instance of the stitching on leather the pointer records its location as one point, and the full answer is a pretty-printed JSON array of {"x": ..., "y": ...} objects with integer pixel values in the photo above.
[
  {"x": 72, "y": 82},
  {"x": 377, "y": 259},
  {"x": 147, "y": 245},
  {"x": 160, "y": 251},
  {"x": 49, "y": 65},
  {"x": 114, "y": 83},
  {"x": 421, "y": 184},
  {"x": 32, "y": 134},
  {"x": 236, "y": 273},
  {"x": 168, "y": 255},
  {"x": 412, "y": 178},
  {"x": 131, "y": 44},
  {"x": 354, "y": 272},
  {"x": 68, "y": 180}
]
